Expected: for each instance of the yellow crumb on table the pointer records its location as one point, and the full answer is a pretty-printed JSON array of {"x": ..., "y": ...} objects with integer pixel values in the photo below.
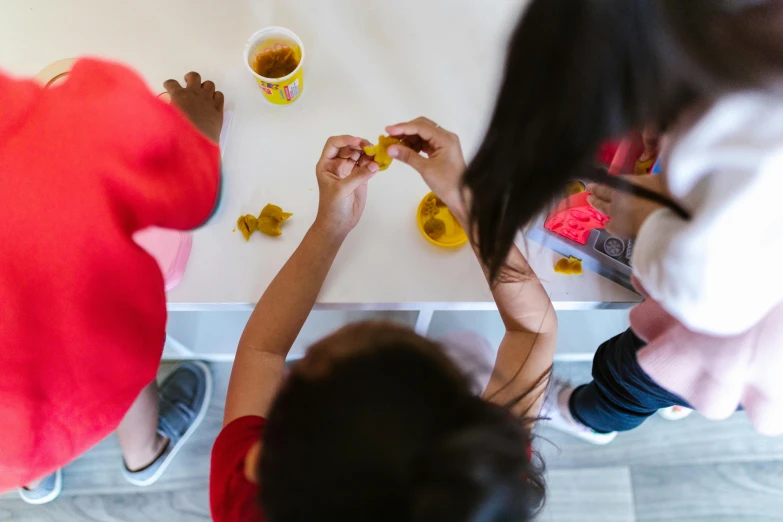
[
  {"x": 569, "y": 266},
  {"x": 380, "y": 152}
]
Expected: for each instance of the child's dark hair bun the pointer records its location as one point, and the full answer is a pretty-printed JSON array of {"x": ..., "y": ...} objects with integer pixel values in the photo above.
[
  {"x": 392, "y": 432},
  {"x": 481, "y": 473}
]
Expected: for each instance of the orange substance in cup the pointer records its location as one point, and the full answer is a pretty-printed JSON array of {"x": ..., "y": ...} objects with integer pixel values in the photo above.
[{"x": 277, "y": 60}]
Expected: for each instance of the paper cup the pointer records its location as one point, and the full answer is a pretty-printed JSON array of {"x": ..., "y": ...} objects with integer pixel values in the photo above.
[{"x": 280, "y": 91}]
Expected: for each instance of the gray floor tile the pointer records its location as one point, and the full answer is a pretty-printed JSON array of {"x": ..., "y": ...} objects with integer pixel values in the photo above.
[
  {"x": 162, "y": 506},
  {"x": 736, "y": 492},
  {"x": 589, "y": 495},
  {"x": 694, "y": 440},
  {"x": 692, "y": 470}
]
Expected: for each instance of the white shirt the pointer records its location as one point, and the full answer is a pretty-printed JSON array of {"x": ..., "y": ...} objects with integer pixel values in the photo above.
[{"x": 722, "y": 271}]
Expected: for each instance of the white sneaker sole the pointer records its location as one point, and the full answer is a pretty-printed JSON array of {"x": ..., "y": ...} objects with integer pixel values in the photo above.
[
  {"x": 670, "y": 415},
  {"x": 556, "y": 420},
  {"x": 598, "y": 439},
  {"x": 58, "y": 488},
  {"x": 199, "y": 418}
]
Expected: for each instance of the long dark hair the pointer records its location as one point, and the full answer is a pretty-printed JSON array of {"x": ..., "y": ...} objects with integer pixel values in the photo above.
[
  {"x": 393, "y": 432},
  {"x": 582, "y": 71}
]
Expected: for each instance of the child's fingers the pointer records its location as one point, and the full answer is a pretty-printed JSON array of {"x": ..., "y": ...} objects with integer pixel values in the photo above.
[
  {"x": 600, "y": 191},
  {"x": 359, "y": 176},
  {"x": 423, "y": 127},
  {"x": 348, "y": 152},
  {"x": 364, "y": 160},
  {"x": 219, "y": 100},
  {"x": 209, "y": 86},
  {"x": 335, "y": 143},
  {"x": 193, "y": 80},
  {"x": 600, "y": 205},
  {"x": 171, "y": 85},
  {"x": 408, "y": 156}
]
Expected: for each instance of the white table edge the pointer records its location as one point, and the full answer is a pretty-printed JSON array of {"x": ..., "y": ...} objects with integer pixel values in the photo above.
[{"x": 410, "y": 306}]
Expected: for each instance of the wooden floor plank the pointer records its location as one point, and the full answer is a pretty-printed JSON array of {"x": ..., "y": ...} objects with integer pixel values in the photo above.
[
  {"x": 659, "y": 442},
  {"x": 589, "y": 495},
  {"x": 693, "y": 470},
  {"x": 694, "y": 440},
  {"x": 150, "y": 506},
  {"x": 733, "y": 492}
]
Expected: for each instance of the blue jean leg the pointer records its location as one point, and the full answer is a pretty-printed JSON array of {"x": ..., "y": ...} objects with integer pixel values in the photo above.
[{"x": 621, "y": 396}]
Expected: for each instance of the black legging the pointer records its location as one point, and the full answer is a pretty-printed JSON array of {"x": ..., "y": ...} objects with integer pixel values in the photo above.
[{"x": 621, "y": 395}]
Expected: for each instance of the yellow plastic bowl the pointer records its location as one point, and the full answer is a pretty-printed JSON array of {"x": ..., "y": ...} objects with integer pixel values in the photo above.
[{"x": 455, "y": 235}]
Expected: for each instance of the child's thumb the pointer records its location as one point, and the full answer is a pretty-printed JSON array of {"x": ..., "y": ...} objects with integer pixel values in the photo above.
[{"x": 407, "y": 155}]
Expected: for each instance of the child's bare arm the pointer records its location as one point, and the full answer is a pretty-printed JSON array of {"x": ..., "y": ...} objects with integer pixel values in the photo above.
[
  {"x": 525, "y": 355},
  {"x": 527, "y": 350},
  {"x": 279, "y": 315}
]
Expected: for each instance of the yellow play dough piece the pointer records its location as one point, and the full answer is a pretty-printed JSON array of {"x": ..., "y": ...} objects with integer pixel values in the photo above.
[
  {"x": 247, "y": 224},
  {"x": 380, "y": 152},
  {"x": 268, "y": 222},
  {"x": 435, "y": 228},
  {"x": 574, "y": 187},
  {"x": 570, "y": 266},
  {"x": 270, "y": 219}
]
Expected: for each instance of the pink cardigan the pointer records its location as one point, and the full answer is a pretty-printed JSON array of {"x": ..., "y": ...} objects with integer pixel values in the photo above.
[{"x": 716, "y": 374}]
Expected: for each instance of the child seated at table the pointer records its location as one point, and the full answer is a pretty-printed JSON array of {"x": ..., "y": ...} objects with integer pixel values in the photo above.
[{"x": 376, "y": 422}]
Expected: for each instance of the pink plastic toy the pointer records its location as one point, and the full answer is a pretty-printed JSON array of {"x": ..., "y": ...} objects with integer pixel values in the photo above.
[
  {"x": 170, "y": 248},
  {"x": 574, "y": 218}
]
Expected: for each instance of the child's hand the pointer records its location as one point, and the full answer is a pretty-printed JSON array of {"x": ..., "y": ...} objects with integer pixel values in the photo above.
[
  {"x": 444, "y": 165},
  {"x": 627, "y": 212},
  {"x": 200, "y": 102},
  {"x": 343, "y": 172}
]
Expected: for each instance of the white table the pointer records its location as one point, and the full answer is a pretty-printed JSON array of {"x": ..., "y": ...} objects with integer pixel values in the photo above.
[{"x": 369, "y": 64}]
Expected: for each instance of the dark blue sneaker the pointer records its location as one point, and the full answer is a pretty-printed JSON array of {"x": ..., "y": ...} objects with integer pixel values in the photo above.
[{"x": 184, "y": 399}]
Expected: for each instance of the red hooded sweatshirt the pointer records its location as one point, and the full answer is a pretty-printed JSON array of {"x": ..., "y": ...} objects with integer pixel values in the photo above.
[{"x": 84, "y": 165}]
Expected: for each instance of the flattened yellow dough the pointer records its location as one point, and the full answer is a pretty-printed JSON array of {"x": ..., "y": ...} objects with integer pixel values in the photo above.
[
  {"x": 380, "y": 152},
  {"x": 435, "y": 228}
]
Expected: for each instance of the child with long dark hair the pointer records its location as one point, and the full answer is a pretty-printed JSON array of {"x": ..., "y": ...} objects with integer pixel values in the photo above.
[
  {"x": 707, "y": 72},
  {"x": 375, "y": 422}
]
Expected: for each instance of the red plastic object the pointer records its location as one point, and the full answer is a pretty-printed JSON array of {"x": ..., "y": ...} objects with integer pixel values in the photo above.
[
  {"x": 607, "y": 152},
  {"x": 574, "y": 218},
  {"x": 627, "y": 153}
]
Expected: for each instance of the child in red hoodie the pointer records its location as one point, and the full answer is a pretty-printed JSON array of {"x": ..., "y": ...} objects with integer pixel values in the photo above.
[{"x": 84, "y": 165}]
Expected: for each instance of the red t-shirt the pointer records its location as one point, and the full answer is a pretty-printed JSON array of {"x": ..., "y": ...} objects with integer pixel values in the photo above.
[
  {"x": 83, "y": 166},
  {"x": 232, "y": 497}
]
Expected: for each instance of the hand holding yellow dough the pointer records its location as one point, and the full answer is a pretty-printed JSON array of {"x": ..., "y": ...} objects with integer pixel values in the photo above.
[{"x": 380, "y": 152}]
